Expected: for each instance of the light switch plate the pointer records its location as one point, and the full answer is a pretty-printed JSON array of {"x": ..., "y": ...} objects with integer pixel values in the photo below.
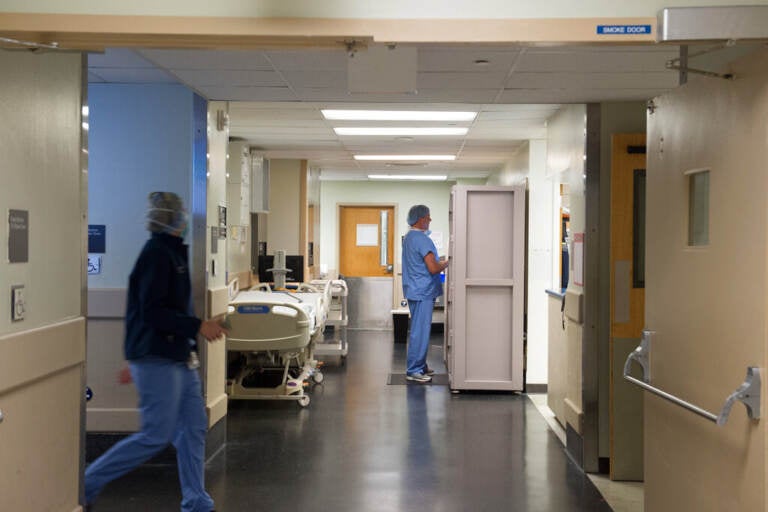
[{"x": 18, "y": 303}]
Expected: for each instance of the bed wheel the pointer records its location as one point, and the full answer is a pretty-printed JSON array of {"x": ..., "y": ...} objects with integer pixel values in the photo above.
[
  {"x": 318, "y": 377},
  {"x": 304, "y": 401}
]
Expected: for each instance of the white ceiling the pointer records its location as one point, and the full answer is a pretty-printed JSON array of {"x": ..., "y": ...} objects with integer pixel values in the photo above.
[{"x": 276, "y": 97}]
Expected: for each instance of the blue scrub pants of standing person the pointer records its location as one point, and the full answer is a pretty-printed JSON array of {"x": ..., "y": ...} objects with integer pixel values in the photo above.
[
  {"x": 418, "y": 339},
  {"x": 172, "y": 411}
]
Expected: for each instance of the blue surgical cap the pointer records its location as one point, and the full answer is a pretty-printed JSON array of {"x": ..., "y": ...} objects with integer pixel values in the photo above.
[
  {"x": 417, "y": 212},
  {"x": 165, "y": 213}
]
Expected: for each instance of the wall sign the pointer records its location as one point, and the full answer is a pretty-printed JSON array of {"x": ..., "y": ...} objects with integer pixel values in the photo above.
[
  {"x": 97, "y": 238},
  {"x": 367, "y": 235},
  {"x": 623, "y": 30},
  {"x": 94, "y": 265},
  {"x": 18, "y": 236}
]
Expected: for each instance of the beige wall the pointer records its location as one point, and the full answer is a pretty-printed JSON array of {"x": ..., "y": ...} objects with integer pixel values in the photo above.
[
  {"x": 491, "y": 9},
  {"x": 708, "y": 304},
  {"x": 284, "y": 206},
  {"x": 42, "y": 357},
  {"x": 565, "y": 164}
]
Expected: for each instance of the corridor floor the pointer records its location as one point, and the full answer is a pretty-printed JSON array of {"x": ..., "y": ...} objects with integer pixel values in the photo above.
[{"x": 365, "y": 446}]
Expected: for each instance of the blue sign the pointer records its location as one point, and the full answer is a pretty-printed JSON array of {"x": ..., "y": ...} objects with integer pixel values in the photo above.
[
  {"x": 623, "y": 30},
  {"x": 251, "y": 309},
  {"x": 97, "y": 238}
]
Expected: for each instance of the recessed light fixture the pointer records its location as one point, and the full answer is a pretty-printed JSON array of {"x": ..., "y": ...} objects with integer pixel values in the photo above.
[
  {"x": 397, "y": 115},
  {"x": 408, "y": 177},
  {"x": 405, "y": 157},
  {"x": 395, "y": 131}
]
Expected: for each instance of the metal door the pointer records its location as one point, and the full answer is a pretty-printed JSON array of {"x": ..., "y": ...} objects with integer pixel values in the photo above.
[{"x": 706, "y": 278}]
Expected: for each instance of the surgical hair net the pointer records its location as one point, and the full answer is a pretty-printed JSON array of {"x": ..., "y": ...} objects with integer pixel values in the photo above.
[
  {"x": 166, "y": 213},
  {"x": 417, "y": 212}
]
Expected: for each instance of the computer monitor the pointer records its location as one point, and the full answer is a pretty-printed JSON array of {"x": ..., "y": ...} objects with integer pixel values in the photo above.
[{"x": 295, "y": 263}]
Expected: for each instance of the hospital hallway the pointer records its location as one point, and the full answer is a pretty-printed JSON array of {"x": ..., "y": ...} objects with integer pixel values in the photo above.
[{"x": 365, "y": 445}]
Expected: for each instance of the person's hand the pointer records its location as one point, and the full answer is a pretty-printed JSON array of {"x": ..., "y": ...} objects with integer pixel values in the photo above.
[
  {"x": 124, "y": 376},
  {"x": 211, "y": 330}
]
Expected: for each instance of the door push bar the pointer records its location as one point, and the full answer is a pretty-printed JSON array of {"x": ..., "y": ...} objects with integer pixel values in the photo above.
[{"x": 748, "y": 393}]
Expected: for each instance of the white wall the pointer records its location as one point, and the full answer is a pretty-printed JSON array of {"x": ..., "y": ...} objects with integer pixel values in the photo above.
[
  {"x": 529, "y": 165},
  {"x": 140, "y": 141},
  {"x": 566, "y": 136},
  {"x": 217, "y": 195},
  {"x": 239, "y": 211},
  {"x": 402, "y": 194}
]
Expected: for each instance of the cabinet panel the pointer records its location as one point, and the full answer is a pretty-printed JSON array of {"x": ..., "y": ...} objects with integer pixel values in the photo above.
[
  {"x": 484, "y": 344},
  {"x": 490, "y": 328}
]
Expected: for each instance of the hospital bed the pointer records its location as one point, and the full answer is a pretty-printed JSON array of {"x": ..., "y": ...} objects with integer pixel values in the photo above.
[
  {"x": 338, "y": 319},
  {"x": 271, "y": 341}
]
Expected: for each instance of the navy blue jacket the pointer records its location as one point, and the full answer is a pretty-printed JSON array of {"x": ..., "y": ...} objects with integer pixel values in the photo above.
[{"x": 159, "y": 321}]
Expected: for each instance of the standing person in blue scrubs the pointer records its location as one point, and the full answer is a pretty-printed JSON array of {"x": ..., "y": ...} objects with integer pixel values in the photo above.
[
  {"x": 160, "y": 332},
  {"x": 421, "y": 286}
]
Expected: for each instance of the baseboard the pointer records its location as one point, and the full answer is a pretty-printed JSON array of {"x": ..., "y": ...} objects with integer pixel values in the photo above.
[
  {"x": 97, "y": 443},
  {"x": 574, "y": 445},
  {"x": 535, "y": 388}
]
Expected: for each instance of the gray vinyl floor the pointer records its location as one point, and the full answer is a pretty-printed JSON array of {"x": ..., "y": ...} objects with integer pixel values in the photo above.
[{"x": 366, "y": 445}]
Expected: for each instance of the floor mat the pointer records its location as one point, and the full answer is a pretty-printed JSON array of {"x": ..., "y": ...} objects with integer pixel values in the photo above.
[{"x": 398, "y": 379}]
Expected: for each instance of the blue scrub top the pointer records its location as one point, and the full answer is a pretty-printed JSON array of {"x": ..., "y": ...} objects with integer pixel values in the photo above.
[{"x": 418, "y": 283}]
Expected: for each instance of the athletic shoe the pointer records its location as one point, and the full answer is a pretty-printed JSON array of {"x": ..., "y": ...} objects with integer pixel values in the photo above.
[{"x": 418, "y": 377}]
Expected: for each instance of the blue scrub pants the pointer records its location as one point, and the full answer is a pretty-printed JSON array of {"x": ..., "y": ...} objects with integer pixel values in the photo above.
[
  {"x": 172, "y": 411},
  {"x": 418, "y": 339}
]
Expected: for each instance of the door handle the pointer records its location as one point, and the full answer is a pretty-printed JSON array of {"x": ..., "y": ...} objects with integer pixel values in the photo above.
[{"x": 389, "y": 269}]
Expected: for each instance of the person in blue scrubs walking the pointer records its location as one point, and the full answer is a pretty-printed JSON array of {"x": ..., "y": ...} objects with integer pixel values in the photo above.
[
  {"x": 421, "y": 286},
  {"x": 160, "y": 332}
]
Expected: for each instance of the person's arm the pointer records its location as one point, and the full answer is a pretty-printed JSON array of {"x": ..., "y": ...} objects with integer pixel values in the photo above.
[{"x": 433, "y": 265}]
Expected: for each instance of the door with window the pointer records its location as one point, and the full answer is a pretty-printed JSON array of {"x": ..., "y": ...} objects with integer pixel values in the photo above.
[
  {"x": 366, "y": 252},
  {"x": 627, "y": 301},
  {"x": 366, "y": 241},
  {"x": 705, "y": 284}
]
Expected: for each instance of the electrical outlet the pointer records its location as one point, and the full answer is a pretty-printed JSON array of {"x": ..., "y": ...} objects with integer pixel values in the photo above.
[{"x": 18, "y": 303}]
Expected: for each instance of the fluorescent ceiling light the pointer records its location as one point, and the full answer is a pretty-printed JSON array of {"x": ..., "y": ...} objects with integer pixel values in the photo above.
[
  {"x": 354, "y": 130},
  {"x": 409, "y": 177},
  {"x": 397, "y": 115},
  {"x": 405, "y": 157}
]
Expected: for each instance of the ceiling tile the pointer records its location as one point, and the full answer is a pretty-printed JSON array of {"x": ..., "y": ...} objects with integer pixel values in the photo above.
[
  {"x": 118, "y": 58},
  {"x": 228, "y": 93},
  {"x": 208, "y": 59},
  {"x": 198, "y": 78},
  {"x": 134, "y": 75},
  {"x": 309, "y": 60}
]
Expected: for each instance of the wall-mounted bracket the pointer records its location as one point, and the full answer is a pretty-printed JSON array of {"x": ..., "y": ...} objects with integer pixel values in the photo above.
[
  {"x": 681, "y": 63},
  {"x": 641, "y": 355},
  {"x": 748, "y": 394}
]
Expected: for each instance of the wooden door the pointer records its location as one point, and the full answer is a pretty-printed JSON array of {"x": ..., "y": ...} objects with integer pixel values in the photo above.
[
  {"x": 362, "y": 230},
  {"x": 627, "y": 301}
]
